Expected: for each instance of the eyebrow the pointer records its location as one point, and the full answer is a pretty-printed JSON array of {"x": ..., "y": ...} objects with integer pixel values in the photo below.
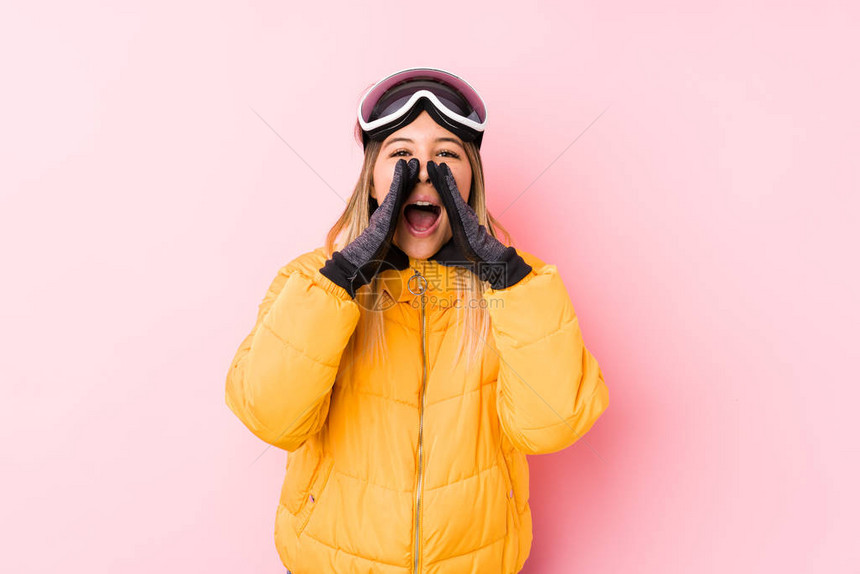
[{"x": 442, "y": 139}]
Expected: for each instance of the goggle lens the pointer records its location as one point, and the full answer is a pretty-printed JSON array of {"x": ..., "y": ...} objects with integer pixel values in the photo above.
[{"x": 397, "y": 96}]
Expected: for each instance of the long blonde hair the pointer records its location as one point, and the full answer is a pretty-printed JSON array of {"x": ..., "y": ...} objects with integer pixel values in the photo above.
[{"x": 472, "y": 315}]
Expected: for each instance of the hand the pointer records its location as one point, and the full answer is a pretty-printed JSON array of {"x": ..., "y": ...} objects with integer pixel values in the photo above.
[
  {"x": 359, "y": 262},
  {"x": 472, "y": 246}
]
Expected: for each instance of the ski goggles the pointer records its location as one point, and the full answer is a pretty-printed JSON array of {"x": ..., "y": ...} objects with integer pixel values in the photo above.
[{"x": 396, "y": 100}]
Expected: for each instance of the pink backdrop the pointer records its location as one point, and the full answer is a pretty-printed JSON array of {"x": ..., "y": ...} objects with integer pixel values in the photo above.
[{"x": 690, "y": 167}]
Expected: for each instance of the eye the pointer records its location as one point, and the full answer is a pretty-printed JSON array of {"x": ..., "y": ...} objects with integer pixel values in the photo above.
[{"x": 402, "y": 152}]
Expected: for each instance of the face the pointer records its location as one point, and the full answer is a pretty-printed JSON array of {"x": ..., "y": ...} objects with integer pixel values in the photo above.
[{"x": 419, "y": 232}]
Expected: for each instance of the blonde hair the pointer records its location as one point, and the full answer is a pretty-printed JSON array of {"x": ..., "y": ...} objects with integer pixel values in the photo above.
[{"x": 472, "y": 316}]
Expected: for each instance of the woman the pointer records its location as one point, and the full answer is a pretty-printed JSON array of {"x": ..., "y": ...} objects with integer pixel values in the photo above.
[{"x": 410, "y": 370}]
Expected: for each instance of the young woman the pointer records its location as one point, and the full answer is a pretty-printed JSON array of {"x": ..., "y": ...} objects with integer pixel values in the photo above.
[{"x": 411, "y": 363}]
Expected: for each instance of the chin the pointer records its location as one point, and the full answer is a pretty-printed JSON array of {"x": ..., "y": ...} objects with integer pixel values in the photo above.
[{"x": 419, "y": 248}]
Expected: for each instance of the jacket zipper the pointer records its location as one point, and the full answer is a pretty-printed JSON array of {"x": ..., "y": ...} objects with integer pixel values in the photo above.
[{"x": 422, "y": 281}]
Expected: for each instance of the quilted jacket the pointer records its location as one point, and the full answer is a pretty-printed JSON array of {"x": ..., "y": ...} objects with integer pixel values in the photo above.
[{"x": 406, "y": 464}]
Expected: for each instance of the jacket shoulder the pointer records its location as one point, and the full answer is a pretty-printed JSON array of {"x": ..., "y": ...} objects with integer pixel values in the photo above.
[
  {"x": 306, "y": 263},
  {"x": 531, "y": 259}
]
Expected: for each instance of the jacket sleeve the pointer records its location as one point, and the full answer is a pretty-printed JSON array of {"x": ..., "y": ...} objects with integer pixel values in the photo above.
[
  {"x": 550, "y": 389},
  {"x": 279, "y": 382}
]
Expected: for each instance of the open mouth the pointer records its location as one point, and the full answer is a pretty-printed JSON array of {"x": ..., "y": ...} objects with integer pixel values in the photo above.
[{"x": 422, "y": 217}]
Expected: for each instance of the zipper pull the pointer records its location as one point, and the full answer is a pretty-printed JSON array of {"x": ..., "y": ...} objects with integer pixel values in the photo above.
[{"x": 418, "y": 281}]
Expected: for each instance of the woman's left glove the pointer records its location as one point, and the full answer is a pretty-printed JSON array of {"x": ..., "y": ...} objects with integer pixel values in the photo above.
[{"x": 472, "y": 246}]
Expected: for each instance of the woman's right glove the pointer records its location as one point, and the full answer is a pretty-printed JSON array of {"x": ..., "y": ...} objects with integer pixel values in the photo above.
[{"x": 358, "y": 263}]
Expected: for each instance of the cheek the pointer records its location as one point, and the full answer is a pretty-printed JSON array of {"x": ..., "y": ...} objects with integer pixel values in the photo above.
[
  {"x": 464, "y": 183},
  {"x": 380, "y": 186}
]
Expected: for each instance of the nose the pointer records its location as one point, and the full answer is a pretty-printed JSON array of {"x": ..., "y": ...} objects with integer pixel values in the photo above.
[{"x": 423, "y": 176}]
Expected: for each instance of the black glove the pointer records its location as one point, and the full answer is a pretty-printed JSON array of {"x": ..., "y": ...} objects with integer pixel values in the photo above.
[
  {"x": 359, "y": 262},
  {"x": 472, "y": 246}
]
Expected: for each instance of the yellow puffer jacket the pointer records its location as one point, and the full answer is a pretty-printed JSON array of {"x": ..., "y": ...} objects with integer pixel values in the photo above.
[{"x": 405, "y": 465}]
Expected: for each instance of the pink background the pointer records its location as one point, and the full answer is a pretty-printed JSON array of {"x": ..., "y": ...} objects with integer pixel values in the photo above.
[{"x": 690, "y": 167}]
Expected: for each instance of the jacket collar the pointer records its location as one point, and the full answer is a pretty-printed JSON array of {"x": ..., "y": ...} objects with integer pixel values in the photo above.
[{"x": 440, "y": 280}]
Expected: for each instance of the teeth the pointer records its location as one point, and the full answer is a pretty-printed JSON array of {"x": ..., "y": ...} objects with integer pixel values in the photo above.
[{"x": 423, "y": 203}]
